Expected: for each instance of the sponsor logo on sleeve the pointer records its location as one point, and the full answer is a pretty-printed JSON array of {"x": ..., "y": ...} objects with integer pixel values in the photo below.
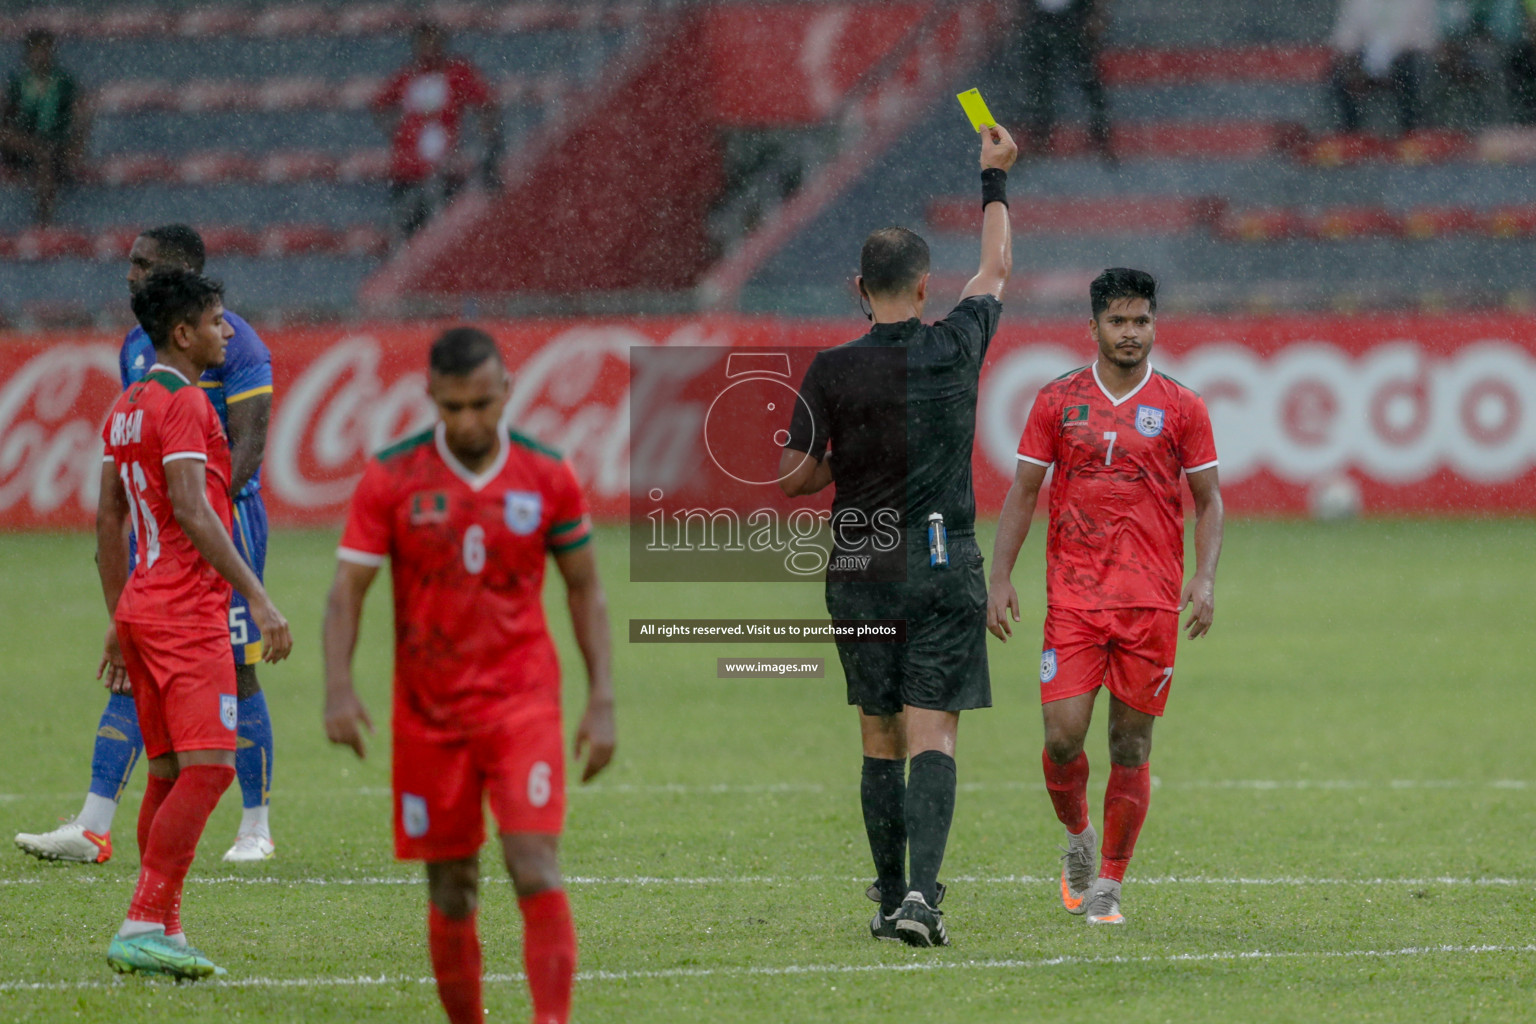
[
  {"x": 413, "y": 815},
  {"x": 1048, "y": 665},
  {"x": 523, "y": 510},
  {"x": 229, "y": 713},
  {"x": 1149, "y": 421}
]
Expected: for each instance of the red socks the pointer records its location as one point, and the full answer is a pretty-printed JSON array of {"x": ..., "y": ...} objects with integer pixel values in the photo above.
[
  {"x": 170, "y": 841},
  {"x": 549, "y": 954},
  {"x": 456, "y": 965},
  {"x": 1068, "y": 786},
  {"x": 1125, "y": 808},
  {"x": 156, "y": 790}
]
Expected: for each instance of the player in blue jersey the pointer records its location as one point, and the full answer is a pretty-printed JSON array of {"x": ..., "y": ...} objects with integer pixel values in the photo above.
[{"x": 241, "y": 392}]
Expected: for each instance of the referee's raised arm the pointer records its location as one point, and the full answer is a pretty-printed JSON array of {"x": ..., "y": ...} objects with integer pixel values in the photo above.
[{"x": 998, "y": 152}]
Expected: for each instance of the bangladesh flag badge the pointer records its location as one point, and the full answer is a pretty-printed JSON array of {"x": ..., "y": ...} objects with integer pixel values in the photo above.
[
  {"x": 429, "y": 507},
  {"x": 1074, "y": 414}
]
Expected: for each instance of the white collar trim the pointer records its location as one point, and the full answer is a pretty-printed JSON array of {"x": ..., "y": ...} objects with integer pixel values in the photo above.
[
  {"x": 1130, "y": 394},
  {"x": 476, "y": 483},
  {"x": 168, "y": 369}
]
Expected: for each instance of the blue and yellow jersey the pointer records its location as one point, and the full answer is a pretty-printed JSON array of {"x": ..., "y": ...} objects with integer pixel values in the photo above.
[{"x": 246, "y": 373}]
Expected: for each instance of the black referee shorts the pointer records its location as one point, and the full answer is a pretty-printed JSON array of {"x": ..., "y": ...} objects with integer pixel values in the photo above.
[{"x": 942, "y": 665}]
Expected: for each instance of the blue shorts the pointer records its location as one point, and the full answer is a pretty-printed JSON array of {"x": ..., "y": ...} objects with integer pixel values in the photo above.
[{"x": 250, "y": 536}]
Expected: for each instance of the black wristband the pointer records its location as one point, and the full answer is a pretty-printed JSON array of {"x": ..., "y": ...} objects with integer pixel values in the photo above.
[{"x": 994, "y": 186}]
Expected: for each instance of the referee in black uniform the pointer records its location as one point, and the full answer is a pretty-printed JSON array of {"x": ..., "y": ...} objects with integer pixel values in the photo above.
[{"x": 897, "y": 408}]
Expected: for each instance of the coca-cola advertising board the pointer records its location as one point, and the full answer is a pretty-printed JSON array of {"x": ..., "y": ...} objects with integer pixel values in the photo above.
[{"x": 1423, "y": 415}]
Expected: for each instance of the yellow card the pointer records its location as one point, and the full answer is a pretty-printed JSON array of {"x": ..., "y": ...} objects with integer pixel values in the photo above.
[{"x": 976, "y": 109}]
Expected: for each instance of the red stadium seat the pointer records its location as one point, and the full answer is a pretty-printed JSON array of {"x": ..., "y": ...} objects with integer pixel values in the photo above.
[
  {"x": 1440, "y": 221},
  {"x": 1262, "y": 225},
  {"x": 365, "y": 240},
  {"x": 365, "y": 165},
  {"x": 1339, "y": 223},
  {"x": 458, "y": 16},
  {"x": 214, "y": 94},
  {"x": 372, "y": 18},
  {"x": 114, "y": 243},
  {"x": 53, "y": 243},
  {"x": 1346, "y": 148},
  {"x": 216, "y": 168},
  {"x": 294, "y": 20},
  {"x": 281, "y": 168},
  {"x": 61, "y": 21},
  {"x": 299, "y": 240},
  {"x": 294, "y": 93},
  {"x": 136, "y": 169},
  {"x": 132, "y": 22},
  {"x": 127, "y": 96},
  {"x": 1121, "y": 215},
  {"x": 1187, "y": 140},
  {"x": 524, "y": 17},
  {"x": 1507, "y": 145},
  {"x": 1511, "y": 222},
  {"x": 1231, "y": 64},
  {"x": 231, "y": 240},
  {"x": 357, "y": 93},
  {"x": 1432, "y": 146},
  {"x": 7, "y": 247},
  {"x": 202, "y": 21}
]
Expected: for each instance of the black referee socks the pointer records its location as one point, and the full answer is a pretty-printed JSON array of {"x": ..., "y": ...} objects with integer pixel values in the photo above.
[
  {"x": 930, "y": 808},
  {"x": 883, "y": 792}
]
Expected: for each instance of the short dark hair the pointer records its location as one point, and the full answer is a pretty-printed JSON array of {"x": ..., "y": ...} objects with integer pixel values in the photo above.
[
  {"x": 1122, "y": 283},
  {"x": 173, "y": 296},
  {"x": 458, "y": 351},
  {"x": 892, "y": 260},
  {"x": 180, "y": 243}
]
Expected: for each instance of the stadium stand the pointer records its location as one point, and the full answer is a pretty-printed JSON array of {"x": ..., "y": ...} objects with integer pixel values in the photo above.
[
  {"x": 252, "y": 122},
  {"x": 1233, "y": 184}
]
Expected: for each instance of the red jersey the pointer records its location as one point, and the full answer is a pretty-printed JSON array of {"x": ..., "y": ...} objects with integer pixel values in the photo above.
[
  {"x": 467, "y": 556},
  {"x": 431, "y": 101},
  {"x": 1116, "y": 536},
  {"x": 158, "y": 420}
]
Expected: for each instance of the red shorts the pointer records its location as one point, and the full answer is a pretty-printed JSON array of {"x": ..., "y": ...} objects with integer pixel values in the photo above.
[
  {"x": 441, "y": 786},
  {"x": 183, "y": 687},
  {"x": 1129, "y": 650}
]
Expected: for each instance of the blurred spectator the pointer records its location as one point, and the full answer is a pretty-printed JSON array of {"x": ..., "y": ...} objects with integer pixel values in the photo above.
[
  {"x": 1515, "y": 26},
  {"x": 1062, "y": 35},
  {"x": 44, "y": 122},
  {"x": 1383, "y": 43},
  {"x": 420, "y": 108},
  {"x": 1481, "y": 43}
]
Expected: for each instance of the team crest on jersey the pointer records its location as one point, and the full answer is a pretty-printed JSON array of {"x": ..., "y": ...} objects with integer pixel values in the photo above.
[
  {"x": 413, "y": 815},
  {"x": 229, "y": 713},
  {"x": 428, "y": 507},
  {"x": 1048, "y": 665},
  {"x": 1074, "y": 414},
  {"x": 1149, "y": 421},
  {"x": 523, "y": 511}
]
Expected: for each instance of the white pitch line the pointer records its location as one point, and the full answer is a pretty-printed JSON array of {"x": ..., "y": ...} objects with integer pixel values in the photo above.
[
  {"x": 992, "y": 786},
  {"x": 735, "y": 880},
  {"x": 794, "y": 970}
]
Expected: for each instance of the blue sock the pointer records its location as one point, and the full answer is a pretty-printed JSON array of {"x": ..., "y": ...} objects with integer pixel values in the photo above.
[
  {"x": 117, "y": 748},
  {"x": 253, "y": 751}
]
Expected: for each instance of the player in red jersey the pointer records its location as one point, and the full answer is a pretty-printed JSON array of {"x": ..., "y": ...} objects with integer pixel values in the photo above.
[
  {"x": 467, "y": 513},
  {"x": 167, "y": 470},
  {"x": 1119, "y": 434}
]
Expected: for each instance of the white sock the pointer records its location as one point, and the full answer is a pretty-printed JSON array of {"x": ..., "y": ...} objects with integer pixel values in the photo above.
[
  {"x": 1076, "y": 839},
  {"x": 254, "y": 820},
  {"x": 179, "y": 939},
  {"x": 96, "y": 815},
  {"x": 132, "y": 928}
]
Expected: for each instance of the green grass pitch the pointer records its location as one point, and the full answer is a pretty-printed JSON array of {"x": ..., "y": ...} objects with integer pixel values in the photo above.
[{"x": 1340, "y": 827}]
